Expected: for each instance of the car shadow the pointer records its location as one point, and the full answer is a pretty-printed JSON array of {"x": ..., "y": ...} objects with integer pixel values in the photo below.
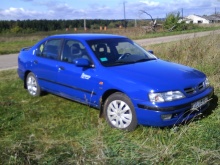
[{"x": 212, "y": 107}]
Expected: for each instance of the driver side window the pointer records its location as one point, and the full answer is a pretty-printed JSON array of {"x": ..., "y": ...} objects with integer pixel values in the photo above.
[{"x": 127, "y": 47}]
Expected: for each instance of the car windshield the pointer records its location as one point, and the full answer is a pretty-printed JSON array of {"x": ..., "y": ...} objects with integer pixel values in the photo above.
[{"x": 119, "y": 51}]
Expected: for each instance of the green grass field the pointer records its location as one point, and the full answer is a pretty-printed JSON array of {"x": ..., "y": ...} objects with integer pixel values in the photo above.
[{"x": 54, "y": 130}]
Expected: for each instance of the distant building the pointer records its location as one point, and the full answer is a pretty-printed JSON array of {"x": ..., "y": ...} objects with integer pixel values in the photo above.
[
  {"x": 185, "y": 20},
  {"x": 196, "y": 19},
  {"x": 213, "y": 18}
]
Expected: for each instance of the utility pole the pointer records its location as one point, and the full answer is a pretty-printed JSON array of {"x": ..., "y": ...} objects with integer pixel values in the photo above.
[
  {"x": 124, "y": 15},
  {"x": 182, "y": 13},
  {"x": 85, "y": 24}
]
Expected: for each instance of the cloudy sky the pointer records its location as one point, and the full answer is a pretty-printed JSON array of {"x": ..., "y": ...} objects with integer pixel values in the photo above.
[{"x": 102, "y": 9}]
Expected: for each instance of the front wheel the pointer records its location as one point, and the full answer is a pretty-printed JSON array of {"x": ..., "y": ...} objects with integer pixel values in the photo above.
[
  {"x": 32, "y": 85},
  {"x": 119, "y": 112}
]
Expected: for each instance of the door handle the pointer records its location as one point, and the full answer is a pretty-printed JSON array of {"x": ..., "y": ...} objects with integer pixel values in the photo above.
[
  {"x": 35, "y": 62},
  {"x": 61, "y": 68}
]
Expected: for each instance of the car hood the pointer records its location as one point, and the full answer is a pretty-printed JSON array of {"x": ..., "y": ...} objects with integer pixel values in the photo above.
[{"x": 159, "y": 75}]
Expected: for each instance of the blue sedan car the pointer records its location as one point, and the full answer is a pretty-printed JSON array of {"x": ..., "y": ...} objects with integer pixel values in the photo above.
[{"x": 112, "y": 73}]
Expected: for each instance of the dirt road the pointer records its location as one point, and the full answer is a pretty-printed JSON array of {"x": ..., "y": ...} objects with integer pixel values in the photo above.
[{"x": 10, "y": 61}]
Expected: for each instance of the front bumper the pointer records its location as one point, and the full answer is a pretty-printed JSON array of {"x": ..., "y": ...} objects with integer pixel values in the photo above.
[{"x": 179, "y": 112}]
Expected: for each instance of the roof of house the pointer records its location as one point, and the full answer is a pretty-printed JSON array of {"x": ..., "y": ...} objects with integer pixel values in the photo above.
[
  {"x": 215, "y": 17},
  {"x": 212, "y": 17}
]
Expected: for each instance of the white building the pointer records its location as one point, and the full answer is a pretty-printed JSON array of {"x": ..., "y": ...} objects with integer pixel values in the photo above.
[{"x": 197, "y": 19}]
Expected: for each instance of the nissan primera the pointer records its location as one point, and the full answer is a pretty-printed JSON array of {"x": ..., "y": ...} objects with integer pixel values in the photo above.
[{"x": 128, "y": 84}]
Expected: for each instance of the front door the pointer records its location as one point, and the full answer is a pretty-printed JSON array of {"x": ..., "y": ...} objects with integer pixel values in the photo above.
[{"x": 77, "y": 83}]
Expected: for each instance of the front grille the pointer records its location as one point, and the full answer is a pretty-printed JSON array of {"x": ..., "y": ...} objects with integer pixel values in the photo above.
[
  {"x": 201, "y": 86},
  {"x": 192, "y": 90},
  {"x": 189, "y": 90}
]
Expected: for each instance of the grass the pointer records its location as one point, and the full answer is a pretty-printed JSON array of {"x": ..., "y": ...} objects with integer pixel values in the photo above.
[
  {"x": 53, "y": 130},
  {"x": 12, "y": 43}
]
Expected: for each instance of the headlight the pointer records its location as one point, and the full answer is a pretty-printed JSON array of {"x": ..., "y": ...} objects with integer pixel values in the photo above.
[
  {"x": 166, "y": 96},
  {"x": 206, "y": 82}
]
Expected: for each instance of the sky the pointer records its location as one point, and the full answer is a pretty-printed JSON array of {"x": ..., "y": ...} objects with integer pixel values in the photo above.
[{"x": 102, "y": 9}]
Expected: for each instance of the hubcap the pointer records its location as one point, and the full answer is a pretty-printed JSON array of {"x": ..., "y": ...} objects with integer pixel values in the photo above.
[
  {"x": 119, "y": 114},
  {"x": 32, "y": 85}
]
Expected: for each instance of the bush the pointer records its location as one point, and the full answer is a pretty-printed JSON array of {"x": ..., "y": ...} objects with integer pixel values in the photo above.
[
  {"x": 172, "y": 23},
  {"x": 16, "y": 29}
]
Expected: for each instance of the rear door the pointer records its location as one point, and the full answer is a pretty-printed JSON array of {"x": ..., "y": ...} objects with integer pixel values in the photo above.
[{"x": 45, "y": 64}]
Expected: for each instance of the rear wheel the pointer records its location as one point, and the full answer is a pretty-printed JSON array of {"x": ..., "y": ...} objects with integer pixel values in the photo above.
[
  {"x": 119, "y": 112},
  {"x": 32, "y": 85}
]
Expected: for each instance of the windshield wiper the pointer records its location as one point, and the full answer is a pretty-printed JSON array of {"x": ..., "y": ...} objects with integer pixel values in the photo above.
[
  {"x": 131, "y": 62},
  {"x": 122, "y": 62},
  {"x": 145, "y": 59}
]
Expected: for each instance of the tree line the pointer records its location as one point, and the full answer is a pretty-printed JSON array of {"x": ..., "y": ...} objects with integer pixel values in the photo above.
[
  {"x": 171, "y": 23},
  {"x": 49, "y": 25}
]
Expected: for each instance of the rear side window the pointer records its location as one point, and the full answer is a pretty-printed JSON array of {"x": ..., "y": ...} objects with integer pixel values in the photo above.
[
  {"x": 50, "y": 49},
  {"x": 72, "y": 50}
]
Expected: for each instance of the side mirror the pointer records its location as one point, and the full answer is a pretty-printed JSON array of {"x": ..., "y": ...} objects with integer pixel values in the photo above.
[
  {"x": 82, "y": 62},
  {"x": 151, "y": 51}
]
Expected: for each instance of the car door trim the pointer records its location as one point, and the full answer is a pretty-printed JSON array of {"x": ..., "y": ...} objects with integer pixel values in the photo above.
[{"x": 72, "y": 87}]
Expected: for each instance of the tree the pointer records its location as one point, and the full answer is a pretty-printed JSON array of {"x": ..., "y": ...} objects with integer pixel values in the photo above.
[
  {"x": 173, "y": 22},
  {"x": 153, "y": 21}
]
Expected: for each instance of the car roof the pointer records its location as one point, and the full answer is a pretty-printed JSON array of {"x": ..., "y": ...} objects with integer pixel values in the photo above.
[{"x": 87, "y": 36}]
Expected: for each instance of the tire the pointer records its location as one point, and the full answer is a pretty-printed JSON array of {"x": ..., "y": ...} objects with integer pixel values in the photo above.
[
  {"x": 119, "y": 112},
  {"x": 32, "y": 85}
]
